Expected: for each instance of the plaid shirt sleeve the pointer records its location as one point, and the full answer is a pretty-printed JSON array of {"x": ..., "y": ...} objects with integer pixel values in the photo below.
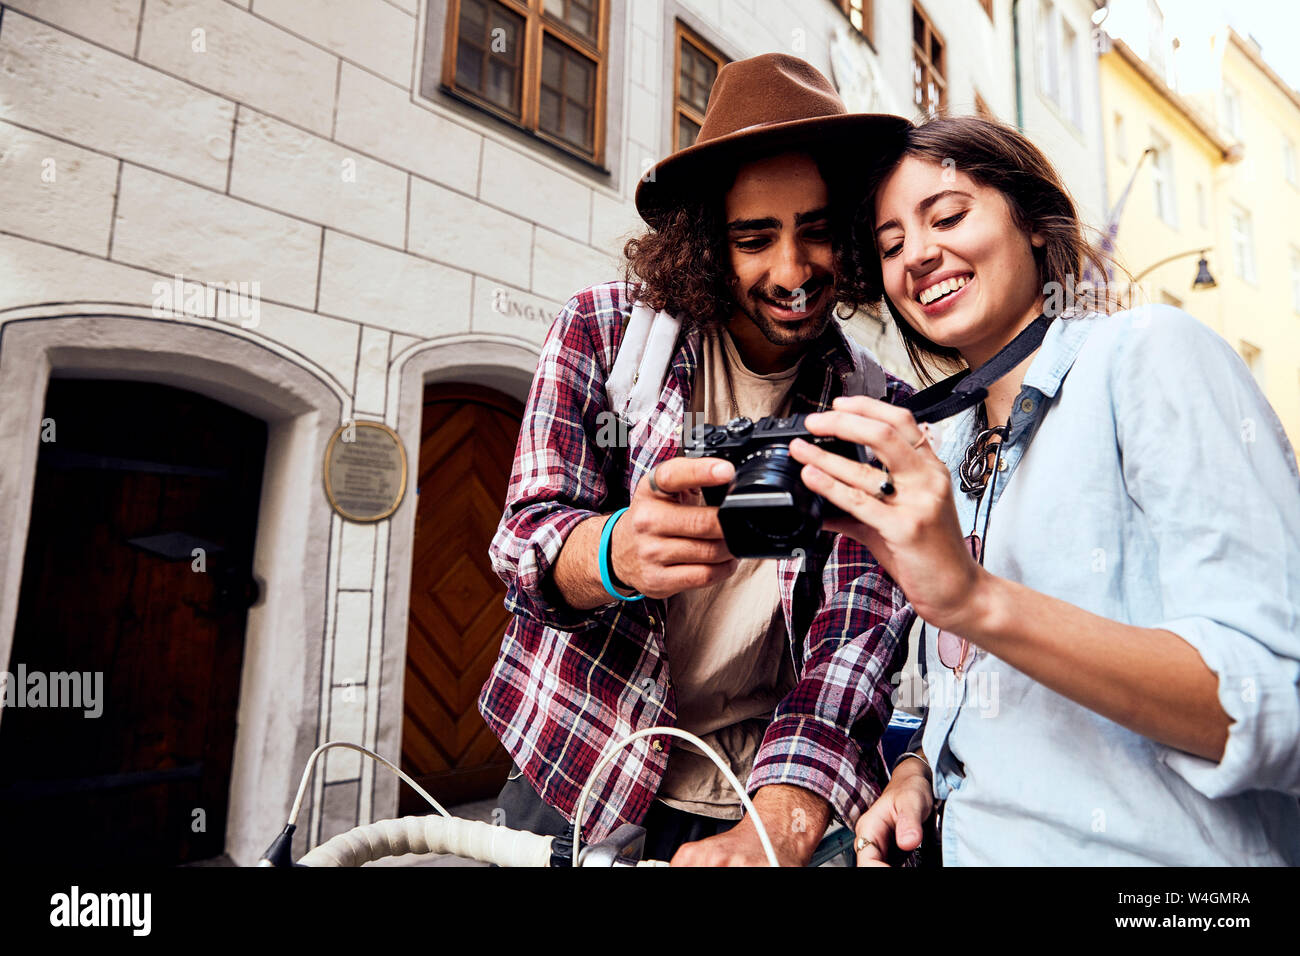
[
  {"x": 854, "y": 645},
  {"x": 558, "y": 476}
]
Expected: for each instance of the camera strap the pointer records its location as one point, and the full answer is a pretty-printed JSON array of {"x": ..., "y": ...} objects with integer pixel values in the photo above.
[{"x": 965, "y": 389}]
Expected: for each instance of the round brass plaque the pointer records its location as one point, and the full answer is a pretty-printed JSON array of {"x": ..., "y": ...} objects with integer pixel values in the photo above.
[{"x": 365, "y": 471}]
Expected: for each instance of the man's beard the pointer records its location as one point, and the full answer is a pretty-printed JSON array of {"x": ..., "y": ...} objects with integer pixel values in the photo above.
[{"x": 786, "y": 334}]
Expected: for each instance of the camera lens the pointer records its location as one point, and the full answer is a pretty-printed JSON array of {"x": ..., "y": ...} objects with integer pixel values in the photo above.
[{"x": 768, "y": 507}]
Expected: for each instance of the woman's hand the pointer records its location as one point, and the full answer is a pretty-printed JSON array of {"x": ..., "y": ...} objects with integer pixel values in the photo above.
[
  {"x": 913, "y": 533},
  {"x": 897, "y": 819}
]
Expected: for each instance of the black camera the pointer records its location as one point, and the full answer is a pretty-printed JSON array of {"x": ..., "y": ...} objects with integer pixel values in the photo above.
[{"x": 766, "y": 511}]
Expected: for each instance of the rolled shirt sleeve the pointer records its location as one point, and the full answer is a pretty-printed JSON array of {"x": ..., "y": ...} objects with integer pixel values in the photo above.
[
  {"x": 557, "y": 479},
  {"x": 1207, "y": 462},
  {"x": 825, "y": 736}
]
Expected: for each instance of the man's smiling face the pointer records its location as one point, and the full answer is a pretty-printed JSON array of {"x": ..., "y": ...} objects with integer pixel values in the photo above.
[{"x": 782, "y": 261}]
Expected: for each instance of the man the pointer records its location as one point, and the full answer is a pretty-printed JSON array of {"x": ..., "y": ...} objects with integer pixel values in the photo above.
[{"x": 784, "y": 666}]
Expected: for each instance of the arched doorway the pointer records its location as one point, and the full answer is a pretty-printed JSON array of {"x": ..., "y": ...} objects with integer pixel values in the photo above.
[
  {"x": 129, "y": 637},
  {"x": 280, "y": 690},
  {"x": 456, "y": 616}
]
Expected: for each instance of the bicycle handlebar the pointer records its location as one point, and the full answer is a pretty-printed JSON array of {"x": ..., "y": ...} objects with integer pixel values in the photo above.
[{"x": 469, "y": 839}]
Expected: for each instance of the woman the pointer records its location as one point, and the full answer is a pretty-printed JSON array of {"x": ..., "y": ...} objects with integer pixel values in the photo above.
[{"x": 1116, "y": 682}]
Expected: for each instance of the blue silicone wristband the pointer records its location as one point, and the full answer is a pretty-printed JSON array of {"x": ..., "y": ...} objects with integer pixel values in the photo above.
[{"x": 606, "y": 534}]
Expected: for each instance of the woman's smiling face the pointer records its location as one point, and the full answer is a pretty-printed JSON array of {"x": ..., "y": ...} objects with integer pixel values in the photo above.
[{"x": 954, "y": 262}]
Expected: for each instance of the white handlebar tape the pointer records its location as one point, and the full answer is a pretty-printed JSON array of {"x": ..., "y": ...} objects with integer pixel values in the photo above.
[{"x": 468, "y": 839}]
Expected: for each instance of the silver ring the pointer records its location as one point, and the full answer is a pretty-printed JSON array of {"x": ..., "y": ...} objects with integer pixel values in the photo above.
[{"x": 654, "y": 485}]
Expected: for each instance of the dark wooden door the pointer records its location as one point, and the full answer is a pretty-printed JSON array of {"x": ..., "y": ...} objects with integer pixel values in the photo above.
[
  {"x": 137, "y": 478},
  {"x": 467, "y": 443}
]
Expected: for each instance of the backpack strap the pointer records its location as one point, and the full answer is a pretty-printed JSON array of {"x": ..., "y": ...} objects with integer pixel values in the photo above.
[{"x": 641, "y": 365}]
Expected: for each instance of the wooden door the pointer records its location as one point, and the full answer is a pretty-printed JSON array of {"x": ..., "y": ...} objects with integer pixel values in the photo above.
[
  {"x": 467, "y": 444},
  {"x": 137, "y": 478}
]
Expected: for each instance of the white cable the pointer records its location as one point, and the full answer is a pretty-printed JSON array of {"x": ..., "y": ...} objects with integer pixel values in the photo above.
[
  {"x": 708, "y": 751},
  {"x": 311, "y": 762}
]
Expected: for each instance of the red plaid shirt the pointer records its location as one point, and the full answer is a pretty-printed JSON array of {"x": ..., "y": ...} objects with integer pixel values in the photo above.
[{"x": 568, "y": 683}]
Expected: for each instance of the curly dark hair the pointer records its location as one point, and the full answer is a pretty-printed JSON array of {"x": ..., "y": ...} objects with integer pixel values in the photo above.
[
  {"x": 999, "y": 156},
  {"x": 681, "y": 262}
]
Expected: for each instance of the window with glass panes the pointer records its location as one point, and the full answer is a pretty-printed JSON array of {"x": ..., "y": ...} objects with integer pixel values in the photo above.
[
  {"x": 1231, "y": 110},
  {"x": 860, "y": 16},
  {"x": 1070, "y": 73},
  {"x": 1243, "y": 243},
  {"x": 929, "y": 88},
  {"x": 538, "y": 63},
  {"x": 697, "y": 67}
]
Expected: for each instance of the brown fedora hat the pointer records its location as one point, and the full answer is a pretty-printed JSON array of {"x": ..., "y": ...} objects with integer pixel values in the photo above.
[{"x": 765, "y": 104}]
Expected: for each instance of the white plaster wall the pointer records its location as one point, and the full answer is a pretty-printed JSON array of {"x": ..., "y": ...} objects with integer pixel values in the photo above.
[{"x": 1075, "y": 151}]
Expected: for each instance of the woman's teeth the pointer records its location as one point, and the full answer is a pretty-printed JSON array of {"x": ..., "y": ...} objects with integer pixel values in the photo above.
[{"x": 941, "y": 289}]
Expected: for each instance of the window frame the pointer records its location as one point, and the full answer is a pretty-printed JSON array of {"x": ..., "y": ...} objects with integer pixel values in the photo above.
[
  {"x": 538, "y": 25},
  {"x": 1049, "y": 72},
  {"x": 682, "y": 32},
  {"x": 1070, "y": 81},
  {"x": 1253, "y": 357},
  {"x": 922, "y": 59},
  {"x": 868, "y": 29},
  {"x": 1059, "y": 52},
  {"x": 1231, "y": 110},
  {"x": 1162, "y": 175},
  {"x": 1243, "y": 243}
]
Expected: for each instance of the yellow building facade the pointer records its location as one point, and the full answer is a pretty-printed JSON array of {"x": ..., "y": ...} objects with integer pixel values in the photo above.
[{"x": 1214, "y": 170}]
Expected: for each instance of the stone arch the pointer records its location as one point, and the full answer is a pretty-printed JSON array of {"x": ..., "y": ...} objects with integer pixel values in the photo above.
[
  {"x": 504, "y": 363},
  {"x": 281, "y": 686}
]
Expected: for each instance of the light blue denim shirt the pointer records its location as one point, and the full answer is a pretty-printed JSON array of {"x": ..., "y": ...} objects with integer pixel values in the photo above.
[{"x": 1147, "y": 480}]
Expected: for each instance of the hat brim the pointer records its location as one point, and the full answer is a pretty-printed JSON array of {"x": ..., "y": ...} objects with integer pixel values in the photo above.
[{"x": 872, "y": 134}]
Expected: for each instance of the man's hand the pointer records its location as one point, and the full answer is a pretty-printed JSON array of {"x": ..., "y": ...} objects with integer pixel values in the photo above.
[
  {"x": 896, "y": 819},
  {"x": 662, "y": 547},
  {"x": 795, "y": 820}
]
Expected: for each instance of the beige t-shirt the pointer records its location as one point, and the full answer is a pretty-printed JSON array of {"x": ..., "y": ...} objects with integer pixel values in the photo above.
[{"x": 727, "y": 649}]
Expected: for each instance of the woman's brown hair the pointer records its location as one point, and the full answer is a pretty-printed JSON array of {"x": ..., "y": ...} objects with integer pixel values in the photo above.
[{"x": 1002, "y": 158}]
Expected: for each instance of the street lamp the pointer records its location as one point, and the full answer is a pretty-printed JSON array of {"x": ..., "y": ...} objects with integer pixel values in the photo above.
[{"x": 1203, "y": 278}]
